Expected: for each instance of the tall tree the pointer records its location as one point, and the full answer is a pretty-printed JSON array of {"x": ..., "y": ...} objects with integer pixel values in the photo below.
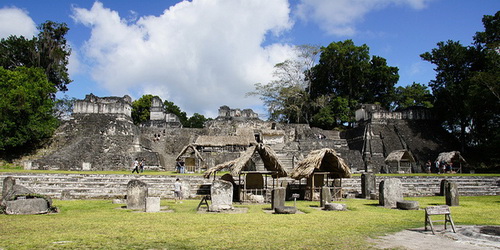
[
  {"x": 286, "y": 96},
  {"x": 415, "y": 94},
  {"x": 47, "y": 51},
  {"x": 170, "y": 107},
  {"x": 452, "y": 86},
  {"x": 26, "y": 109},
  {"x": 196, "y": 121},
  {"x": 346, "y": 71},
  {"x": 141, "y": 109}
]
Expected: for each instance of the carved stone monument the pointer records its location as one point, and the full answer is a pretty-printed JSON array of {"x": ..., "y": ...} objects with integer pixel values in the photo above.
[
  {"x": 390, "y": 192},
  {"x": 221, "y": 194},
  {"x": 368, "y": 185},
  {"x": 451, "y": 193},
  {"x": 17, "y": 199},
  {"x": 278, "y": 197},
  {"x": 325, "y": 197},
  {"x": 137, "y": 191}
]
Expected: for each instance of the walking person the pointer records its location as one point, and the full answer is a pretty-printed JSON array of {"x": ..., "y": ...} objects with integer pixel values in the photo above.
[
  {"x": 136, "y": 166},
  {"x": 178, "y": 191},
  {"x": 141, "y": 165}
]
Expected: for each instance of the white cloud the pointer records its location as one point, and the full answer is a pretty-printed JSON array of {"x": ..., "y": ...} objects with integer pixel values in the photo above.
[
  {"x": 339, "y": 17},
  {"x": 200, "y": 54},
  {"x": 14, "y": 21}
]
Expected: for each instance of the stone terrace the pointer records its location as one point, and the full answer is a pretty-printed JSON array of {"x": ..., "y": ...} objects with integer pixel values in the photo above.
[{"x": 97, "y": 186}]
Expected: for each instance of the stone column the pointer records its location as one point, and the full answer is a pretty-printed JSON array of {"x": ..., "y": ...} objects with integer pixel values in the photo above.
[
  {"x": 221, "y": 194},
  {"x": 326, "y": 196},
  {"x": 8, "y": 183},
  {"x": 278, "y": 197},
  {"x": 451, "y": 193},
  {"x": 442, "y": 186},
  {"x": 368, "y": 185},
  {"x": 390, "y": 192},
  {"x": 137, "y": 191}
]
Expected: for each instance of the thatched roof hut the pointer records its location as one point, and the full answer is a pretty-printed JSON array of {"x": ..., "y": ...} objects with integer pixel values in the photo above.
[
  {"x": 322, "y": 160},
  {"x": 186, "y": 148},
  {"x": 271, "y": 162},
  {"x": 399, "y": 156},
  {"x": 401, "y": 160},
  {"x": 453, "y": 156}
]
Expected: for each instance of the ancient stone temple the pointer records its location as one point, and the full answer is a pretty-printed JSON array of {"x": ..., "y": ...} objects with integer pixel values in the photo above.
[
  {"x": 104, "y": 105},
  {"x": 159, "y": 117},
  {"x": 380, "y": 132},
  {"x": 99, "y": 136}
]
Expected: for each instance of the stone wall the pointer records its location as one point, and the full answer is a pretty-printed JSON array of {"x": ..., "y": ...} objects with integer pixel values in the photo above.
[
  {"x": 98, "y": 186},
  {"x": 104, "y": 105}
]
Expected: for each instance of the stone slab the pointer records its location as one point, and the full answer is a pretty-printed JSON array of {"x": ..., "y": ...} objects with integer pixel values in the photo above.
[
  {"x": 27, "y": 206},
  {"x": 152, "y": 204}
]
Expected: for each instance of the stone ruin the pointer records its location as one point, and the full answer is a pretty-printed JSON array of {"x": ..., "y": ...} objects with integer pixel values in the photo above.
[
  {"x": 101, "y": 136},
  {"x": 221, "y": 193},
  {"x": 17, "y": 199}
]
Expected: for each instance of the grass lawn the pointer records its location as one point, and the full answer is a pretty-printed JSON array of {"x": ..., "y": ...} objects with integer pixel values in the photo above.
[{"x": 101, "y": 224}]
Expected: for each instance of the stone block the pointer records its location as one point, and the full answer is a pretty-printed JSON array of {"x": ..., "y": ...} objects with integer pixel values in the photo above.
[
  {"x": 285, "y": 210},
  {"x": 278, "y": 197},
  {"x": 7, "y": 185},
  {"x": 152, "y": 204},
  {"x": 442, "y": 186},
  {"x": 66, "y": 195},
  {"x": 335, "y": 207},
  {"x": 408, "y": 205},
  {"x": 368, "y": 185},
  {"x": 137, "y": 191},
  {"x": 325, "y": 197},
  {"x": 221, "y": 194},
  {"x": 390, "y": 192},
  {"x": 451, "y": 194},
  {"x": 27, "y": 206}
]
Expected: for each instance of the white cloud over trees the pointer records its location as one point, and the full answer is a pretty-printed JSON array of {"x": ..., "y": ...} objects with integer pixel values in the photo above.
[
  {"x": 200, "y": 54},
  {"x": 15, "y": 21}
]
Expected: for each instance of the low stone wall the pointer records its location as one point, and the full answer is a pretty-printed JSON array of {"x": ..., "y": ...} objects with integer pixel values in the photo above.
[{"x": 97, "y": 186}]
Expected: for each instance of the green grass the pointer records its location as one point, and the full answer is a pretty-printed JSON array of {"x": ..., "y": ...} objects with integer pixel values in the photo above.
[{"x": 101, "y": 224}]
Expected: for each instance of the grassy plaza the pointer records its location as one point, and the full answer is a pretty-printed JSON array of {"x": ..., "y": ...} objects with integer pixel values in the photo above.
[{"x": 103, "y": 225}]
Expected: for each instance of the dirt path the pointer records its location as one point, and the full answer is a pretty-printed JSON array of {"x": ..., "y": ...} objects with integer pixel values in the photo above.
[{"x": 420, "y": 239}]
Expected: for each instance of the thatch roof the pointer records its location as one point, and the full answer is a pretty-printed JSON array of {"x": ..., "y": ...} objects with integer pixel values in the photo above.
[
  {"x": 452, "y": 156},
  {"x": 322, "y": 160},
  {"x": 190, "y": 146},
  {"x": 220, "y": 141},
  {"x": 400, "y": 155},
  {"x": 271, "y": 162}
]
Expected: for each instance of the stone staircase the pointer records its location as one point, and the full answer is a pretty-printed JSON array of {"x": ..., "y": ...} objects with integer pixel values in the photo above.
[
  {"x": 100, "y": 186},
  {"x": 109, "y": 186}
]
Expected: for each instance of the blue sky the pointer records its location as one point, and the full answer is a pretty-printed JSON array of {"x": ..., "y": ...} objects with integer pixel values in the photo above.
[{"x": 203, "y": 54}]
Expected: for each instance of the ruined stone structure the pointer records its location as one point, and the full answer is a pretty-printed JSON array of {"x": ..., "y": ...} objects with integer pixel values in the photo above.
[
  {"x": 226, "y": 113},
  {"x": 380, "y": 132},
  {"x": 104, "y": 105},
  {"x": 102, "y": 136},
  {"x": 159, "y": 118}
]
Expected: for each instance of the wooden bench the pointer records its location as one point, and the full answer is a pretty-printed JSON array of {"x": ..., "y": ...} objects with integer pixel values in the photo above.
[{"x": 438, "y": 210}]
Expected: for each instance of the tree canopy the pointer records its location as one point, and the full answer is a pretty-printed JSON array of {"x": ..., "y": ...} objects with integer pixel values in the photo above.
[
  {"x": 31, "y": 73},
  {"x": 466, "y": 88},
  {"x": 47, "y": 51},
  {"x": 26, "y": 109}
]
